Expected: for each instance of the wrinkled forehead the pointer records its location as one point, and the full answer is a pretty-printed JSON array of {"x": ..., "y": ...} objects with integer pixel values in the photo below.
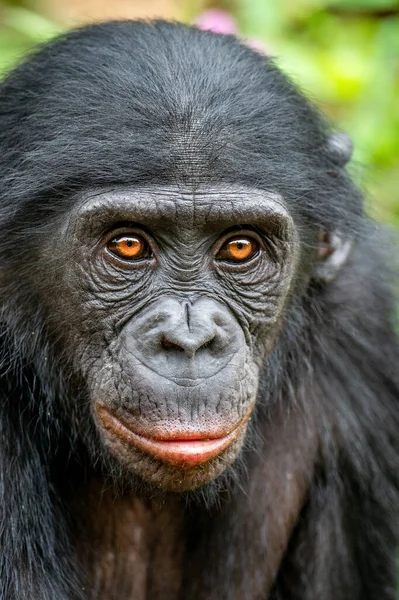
[{"x": 170, "y": 207}]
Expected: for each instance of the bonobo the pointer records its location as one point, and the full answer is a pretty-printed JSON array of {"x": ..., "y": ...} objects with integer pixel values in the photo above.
[{"x": 199, "y": 384}]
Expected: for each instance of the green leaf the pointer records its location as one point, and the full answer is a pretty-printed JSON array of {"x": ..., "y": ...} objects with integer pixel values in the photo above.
[{"x": 31, "y": 24}]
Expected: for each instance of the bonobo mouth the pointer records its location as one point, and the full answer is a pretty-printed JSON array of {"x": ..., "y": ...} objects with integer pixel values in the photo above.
[{"x": 182, "y": 450}]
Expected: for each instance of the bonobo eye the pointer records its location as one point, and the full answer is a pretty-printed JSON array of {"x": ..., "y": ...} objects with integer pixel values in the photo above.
[
  {"x": 238, "y": 249},
  {"x": 129, "y": 247}
]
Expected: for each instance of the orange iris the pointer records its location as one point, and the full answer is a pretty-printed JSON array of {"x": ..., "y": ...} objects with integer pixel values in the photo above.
[
  {"x": 129, "y": 247},
  {"x": 238, "y": 249}
]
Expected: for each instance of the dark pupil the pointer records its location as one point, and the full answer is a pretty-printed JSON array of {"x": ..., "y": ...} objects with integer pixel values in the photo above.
[
  {"x": 240, "y": 245},
  {"x": 129, "y": 243}
]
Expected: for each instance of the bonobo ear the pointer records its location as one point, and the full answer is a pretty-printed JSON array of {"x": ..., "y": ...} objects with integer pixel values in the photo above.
[
  {"x": 339, "y": 148},
  {"x": 332, "y": 254},
  {"x": 333, "y": 249}
]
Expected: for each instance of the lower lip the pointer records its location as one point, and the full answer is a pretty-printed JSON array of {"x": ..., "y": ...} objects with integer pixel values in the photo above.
[{"x": 179, "y": 452}]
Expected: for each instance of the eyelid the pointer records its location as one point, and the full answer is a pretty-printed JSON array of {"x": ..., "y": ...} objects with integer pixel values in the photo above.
[
  {"x": 226, "y": 252},
  {"x": 133, "y": 242},
  {"x": 126, "y": 230},
  {"x": 245, "y": 232}
]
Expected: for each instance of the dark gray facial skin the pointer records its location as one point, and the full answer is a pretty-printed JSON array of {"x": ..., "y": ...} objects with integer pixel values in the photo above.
[{"x": 170, "y": 345}]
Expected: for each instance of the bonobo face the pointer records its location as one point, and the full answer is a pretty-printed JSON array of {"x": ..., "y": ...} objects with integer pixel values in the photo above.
[{"x": 174, "y": 297}]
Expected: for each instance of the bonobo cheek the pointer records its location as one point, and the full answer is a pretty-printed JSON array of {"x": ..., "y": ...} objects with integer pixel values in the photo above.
[{"x": 185, "y": 391}]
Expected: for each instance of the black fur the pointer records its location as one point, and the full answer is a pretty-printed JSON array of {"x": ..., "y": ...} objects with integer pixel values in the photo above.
[{"x": 144, "y": 103}]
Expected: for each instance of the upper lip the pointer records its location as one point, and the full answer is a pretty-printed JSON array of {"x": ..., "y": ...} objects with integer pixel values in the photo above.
[
  {"x": 186, "y": 449},
  {"x": 191, "y": 377}
]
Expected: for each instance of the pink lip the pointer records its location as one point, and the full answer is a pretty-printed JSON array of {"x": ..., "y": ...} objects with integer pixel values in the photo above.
[{"x": 183, "y": 450}]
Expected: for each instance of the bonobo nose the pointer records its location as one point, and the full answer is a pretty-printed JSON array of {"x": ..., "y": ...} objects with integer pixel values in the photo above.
[
  {"x": 188, "y": 330},
  {"x": 185, "y": 340}
]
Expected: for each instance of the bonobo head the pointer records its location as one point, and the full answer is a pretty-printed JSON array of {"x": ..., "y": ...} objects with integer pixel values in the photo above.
[{"x": 166, "y": 176}]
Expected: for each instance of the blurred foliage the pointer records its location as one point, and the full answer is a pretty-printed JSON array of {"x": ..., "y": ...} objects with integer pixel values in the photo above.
[
  {"x": 343, "y": 53},
  {"x": 21, "y": 28}
]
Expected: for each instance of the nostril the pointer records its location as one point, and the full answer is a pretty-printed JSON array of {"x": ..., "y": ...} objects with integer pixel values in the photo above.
[
  {"x": 189, "y": 344},
  {"x": 168, "y": 345}
]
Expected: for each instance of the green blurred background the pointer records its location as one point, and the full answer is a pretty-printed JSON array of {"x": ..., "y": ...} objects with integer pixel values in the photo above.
[{"x": 343, "y": 53}]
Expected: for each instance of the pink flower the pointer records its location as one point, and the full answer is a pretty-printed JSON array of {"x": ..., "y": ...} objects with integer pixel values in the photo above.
[
  {"x": 217, "y": 21},
  {"x": 220, "y": 21}
]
